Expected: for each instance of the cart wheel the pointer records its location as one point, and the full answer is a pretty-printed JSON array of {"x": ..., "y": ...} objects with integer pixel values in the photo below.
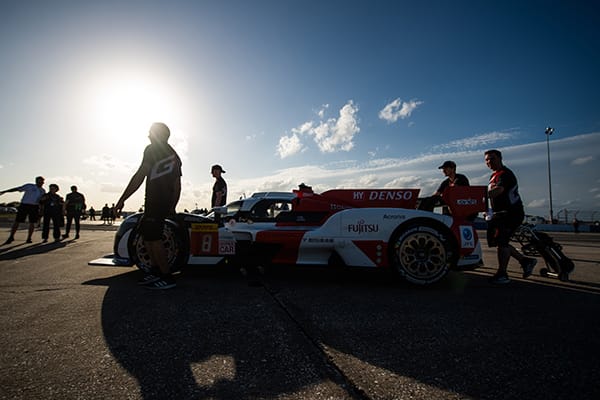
[{"x": 544, "y": 272}]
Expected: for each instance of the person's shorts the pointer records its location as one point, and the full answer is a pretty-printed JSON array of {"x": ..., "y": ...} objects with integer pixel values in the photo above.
[
  {"x": 151, "y": 226},
  {"x": 501, "y": 228},
  {"x": 28, "y": 210}
]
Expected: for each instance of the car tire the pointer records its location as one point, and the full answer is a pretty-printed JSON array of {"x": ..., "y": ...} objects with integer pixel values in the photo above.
[
  {"x": 172, "y": 239},
  {"x": 422, "y": 252}
]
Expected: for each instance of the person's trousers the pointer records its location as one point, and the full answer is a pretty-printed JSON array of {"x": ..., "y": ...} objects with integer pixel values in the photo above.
[
  {"x": 57, "y": 222},
  {"x": 70, "y": 217}
]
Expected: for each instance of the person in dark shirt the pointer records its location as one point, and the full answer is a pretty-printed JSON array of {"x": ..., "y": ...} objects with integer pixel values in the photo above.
[
  {"x": 452, "y": 179},
  {"x": 507, "y": 206},
  {"x": 161, "y": 168},
  {"x": 105, "y": 216},
  {"x": 74, "y": 207},
  {"x": 52, "y": 210},
  {"x": 219, "y": 190}
]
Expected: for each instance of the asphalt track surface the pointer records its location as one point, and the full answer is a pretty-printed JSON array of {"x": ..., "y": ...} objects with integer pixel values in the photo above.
[{"x": 73, "y": 331}]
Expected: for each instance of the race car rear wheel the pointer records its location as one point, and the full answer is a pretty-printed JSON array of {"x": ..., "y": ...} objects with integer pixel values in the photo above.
[
  {"x": 173, "y": 242},
  {"x": 422, "y": 252}
]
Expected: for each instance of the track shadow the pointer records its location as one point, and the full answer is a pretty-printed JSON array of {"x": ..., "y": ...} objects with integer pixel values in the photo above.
[
  {"x": 211, "y": 337},
  {"x": 215, "y": 337},
  {"x": 462, "y": 336},
  {"x": 18, "y": 251}
]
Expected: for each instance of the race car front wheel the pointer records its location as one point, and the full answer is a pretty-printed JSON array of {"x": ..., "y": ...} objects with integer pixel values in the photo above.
[
  {"x": 422, "y": 252},
  {"x": 171, "y": 240}
]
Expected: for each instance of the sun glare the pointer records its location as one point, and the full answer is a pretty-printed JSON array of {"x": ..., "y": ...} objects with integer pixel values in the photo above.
[{"x": 124, "y": 109}]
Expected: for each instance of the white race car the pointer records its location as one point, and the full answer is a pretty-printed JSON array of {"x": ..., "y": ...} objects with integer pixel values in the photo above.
[{"x": 355, "y": 227}]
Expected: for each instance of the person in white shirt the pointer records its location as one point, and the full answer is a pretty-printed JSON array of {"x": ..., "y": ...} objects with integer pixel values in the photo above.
[{"x": 29, "y": 207}]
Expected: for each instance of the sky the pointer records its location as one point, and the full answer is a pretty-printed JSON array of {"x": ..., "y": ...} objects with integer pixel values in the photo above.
[{"x": 334, "y": 94}]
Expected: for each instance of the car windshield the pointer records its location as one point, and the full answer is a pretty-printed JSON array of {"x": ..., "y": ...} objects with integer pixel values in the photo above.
[
  {"x": 269, "y": 209},
  {"x": 232, "y": 210}
]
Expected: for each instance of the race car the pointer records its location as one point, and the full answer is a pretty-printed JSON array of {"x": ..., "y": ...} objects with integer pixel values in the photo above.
[
  {"x": 195, "y": 239},
  {"x": 377, "y": 228}
]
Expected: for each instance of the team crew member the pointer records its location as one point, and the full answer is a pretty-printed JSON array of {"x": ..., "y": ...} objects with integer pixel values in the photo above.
[
  {"x": 507, "y": 206},
  {"x": 219, "y": 190},
  {"x": 52, "y": 205},
  {"x": 29, "y": 207},
  {"x": 453, "y": 179},
  {"x": 74, "y": 207},
  {"x": 161, "y": 167}
]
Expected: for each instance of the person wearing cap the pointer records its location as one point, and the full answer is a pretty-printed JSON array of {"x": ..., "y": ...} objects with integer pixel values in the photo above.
[
  {"x": 29, "y": 207},
  {"x": 453, "y": 179},
  {"x": 219, "y": 190},
  {"x": 161, "y": 168}
]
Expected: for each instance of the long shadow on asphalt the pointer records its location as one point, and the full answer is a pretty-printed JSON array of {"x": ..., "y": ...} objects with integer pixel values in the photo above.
[
  {"x": 22, "y": 250},
  {"x": 216, "y": 337},
  {"x": 213, "y": 336}
]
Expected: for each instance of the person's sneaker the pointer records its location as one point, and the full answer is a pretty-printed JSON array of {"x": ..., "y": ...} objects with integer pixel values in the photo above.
[
  {"x": 9, "y": 240},
  {"x": 499, "y": 279},
  {"x": 77, "y": 236},
  {"x": 148, "y": 279},
  {"x": 162, "y": 284},
  {"x": 528, "y": 264}
]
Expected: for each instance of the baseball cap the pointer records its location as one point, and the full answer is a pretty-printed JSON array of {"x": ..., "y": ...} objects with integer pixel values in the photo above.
[
  {"x": 217, "y": 166},
  {"x": 447, "y": 164}
]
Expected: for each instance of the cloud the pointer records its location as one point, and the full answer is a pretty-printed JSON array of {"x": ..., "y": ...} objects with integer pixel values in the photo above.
[
  {"x": 331, "y": 135},
  {"x": 537, "y": 203},
  {"x": 106, "y": 162},
  {"x": 289, "y": 145},
  {"x": 322, "y": 110},
  {"x": 582, "y": 160},
  {"x": 337, "y": 135},
  {"x": 528, "y": 161},
  {"x": 398, "y": 109},
  {"x": 475, "y": 142}
]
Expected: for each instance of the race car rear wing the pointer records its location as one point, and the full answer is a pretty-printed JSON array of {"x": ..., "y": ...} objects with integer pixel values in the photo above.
[
  {"x": 309, "y": 208},
  {"x": 340, "y": 199},
  {"x": 465, "y": 201}
]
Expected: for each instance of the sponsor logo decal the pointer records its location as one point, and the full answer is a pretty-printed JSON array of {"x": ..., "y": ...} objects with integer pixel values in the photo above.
[
  {"x": 466, "y": 202},
  {"x": 337, "y": 207},
  {"x": 467, "y": 238},
  {"x": 226, "y": 247},
  {"x": 361, "y": 227},
  {"x": 394, "y": 217},
  {"x": 383, "y": 195},
  {"x": 204, "y": 227},
  {"x": 319, "y": 240}
]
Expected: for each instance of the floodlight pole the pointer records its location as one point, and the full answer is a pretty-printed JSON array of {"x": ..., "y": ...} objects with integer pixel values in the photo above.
[{"x": 549, "y": 132}]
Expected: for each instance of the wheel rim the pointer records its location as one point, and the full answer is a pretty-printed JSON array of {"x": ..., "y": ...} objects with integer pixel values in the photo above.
[
  {"x": 422, "y": 255},
  {"x": 169, "y": 243}
]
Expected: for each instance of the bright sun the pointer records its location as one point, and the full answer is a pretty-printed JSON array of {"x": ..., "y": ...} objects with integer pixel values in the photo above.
[{"x": 124, "y": 109}]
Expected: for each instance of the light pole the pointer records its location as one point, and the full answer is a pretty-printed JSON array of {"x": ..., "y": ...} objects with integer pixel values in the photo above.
[{"x": 549, "y": 132}]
